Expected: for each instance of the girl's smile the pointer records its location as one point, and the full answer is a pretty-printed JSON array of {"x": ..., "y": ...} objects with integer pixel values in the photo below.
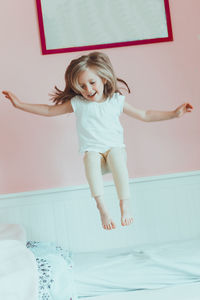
[{"x": 92, "y": 86}]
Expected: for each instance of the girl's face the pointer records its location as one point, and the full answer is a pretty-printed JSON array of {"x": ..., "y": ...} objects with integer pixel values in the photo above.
[{"x": 92, "y": 86}]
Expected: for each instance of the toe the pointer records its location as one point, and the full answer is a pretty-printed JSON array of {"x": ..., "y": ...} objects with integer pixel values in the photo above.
[
  {"x": 122, "y": 222},
  {"x": 113, "y": 225},
  {"x": 126, "y": 221},
  {"x": 105, "y": 227},
  {"x": 108, "y": 227}
]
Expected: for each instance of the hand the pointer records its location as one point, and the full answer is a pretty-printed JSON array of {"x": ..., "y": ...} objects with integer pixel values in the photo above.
[
  {"x": 13, "y": 99},
  {"x": 182, "y": 109}
]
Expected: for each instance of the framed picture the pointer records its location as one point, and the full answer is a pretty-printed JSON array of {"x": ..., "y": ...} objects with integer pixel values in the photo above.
[{"x": 76, "y": 25}]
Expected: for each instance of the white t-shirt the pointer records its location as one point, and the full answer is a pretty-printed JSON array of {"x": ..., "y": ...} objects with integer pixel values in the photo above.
[{"x": 98, "y": 125}]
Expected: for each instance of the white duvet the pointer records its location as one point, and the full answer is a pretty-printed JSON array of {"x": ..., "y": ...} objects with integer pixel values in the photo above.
[
  {"x": 150, "y": 267},
  {"x": 18, "y": 269}
]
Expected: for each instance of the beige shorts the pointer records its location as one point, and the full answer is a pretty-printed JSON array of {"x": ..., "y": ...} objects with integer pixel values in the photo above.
[{"x": 114, "y": 161}]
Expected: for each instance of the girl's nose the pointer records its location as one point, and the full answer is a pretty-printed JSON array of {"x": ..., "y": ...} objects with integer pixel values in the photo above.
[{"x": 89, "y": 89}]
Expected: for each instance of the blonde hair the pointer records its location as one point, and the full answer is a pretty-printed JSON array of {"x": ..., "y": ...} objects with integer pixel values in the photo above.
[{"x": 102, "y": 66}]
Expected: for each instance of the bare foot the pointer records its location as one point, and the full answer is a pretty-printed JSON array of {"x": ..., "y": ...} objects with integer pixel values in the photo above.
[
  {"x": 126, "y": 214},
  {"x": 106, "y": 221}
]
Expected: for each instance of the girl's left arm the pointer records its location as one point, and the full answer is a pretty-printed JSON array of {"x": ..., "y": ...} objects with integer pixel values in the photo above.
[{"x": 154, "y": 115}]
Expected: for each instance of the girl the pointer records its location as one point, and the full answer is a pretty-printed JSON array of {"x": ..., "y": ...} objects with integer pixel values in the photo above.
[{"x": 92, "y": 92}]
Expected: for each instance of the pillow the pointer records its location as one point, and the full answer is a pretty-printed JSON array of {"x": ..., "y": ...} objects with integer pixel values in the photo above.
[
  {"x": 12, "y": 232},
  {"x": 55, "y": 270}
]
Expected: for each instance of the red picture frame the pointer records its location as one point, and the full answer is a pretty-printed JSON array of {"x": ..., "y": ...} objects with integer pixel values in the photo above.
[{"x": 65, "y": 49}]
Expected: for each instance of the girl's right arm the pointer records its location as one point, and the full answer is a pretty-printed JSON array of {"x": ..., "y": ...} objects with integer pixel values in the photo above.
[{"x": 39, "y": 109}]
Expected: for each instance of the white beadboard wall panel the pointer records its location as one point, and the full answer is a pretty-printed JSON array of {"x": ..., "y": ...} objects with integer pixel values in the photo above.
[{"x": 165, "y": 208}]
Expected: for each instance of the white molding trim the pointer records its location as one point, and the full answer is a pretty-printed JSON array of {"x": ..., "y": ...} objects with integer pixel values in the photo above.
[
  {"x": 165, "y": 208},
  {"x": 110, "y": 183}
]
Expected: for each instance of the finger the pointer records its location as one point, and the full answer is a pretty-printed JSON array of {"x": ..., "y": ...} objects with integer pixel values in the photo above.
[
  {"x": 7, "y": 96},
  {"x": 5, "y": 92},
  {"x": 188, "y": 105}
]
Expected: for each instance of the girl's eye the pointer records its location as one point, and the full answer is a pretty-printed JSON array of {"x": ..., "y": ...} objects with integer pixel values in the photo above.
[{"x": 93, "y": 82}]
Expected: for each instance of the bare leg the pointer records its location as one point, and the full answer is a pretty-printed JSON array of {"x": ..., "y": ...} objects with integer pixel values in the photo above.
[
  {"x": 117, "y": 163},
  {"x": 94, "y": 163},
  {"x": 126, "y": 213},
  {"x": 106, "y": 220}
]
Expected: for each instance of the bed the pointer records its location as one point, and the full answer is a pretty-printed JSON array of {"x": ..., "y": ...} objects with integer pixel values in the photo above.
[
  {"x": 44, "y": 270},
  {"x": 130, "y": 273},
  {"x": 144, "y": 261}
]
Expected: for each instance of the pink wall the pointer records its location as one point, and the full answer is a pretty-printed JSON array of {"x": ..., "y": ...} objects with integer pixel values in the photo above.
[{"x": 41, "y": 153}]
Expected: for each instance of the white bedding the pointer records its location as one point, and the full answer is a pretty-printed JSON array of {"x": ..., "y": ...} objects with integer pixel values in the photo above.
[
  {"x": 166, "y": 271},
  {"x": 55, "y": 270},
  {"x": 180, "y": 292},
  {"x": 18, "y": 269},
  {"x": 144, "y": 268}
]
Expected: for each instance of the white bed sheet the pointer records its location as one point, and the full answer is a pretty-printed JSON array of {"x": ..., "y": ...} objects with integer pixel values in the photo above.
[
  {"x": 181, "y": 292},
  {"x": 145, "y": 268}
]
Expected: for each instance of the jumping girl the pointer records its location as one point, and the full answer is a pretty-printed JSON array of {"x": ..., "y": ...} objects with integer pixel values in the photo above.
[{"x": 92, "y": 93}]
